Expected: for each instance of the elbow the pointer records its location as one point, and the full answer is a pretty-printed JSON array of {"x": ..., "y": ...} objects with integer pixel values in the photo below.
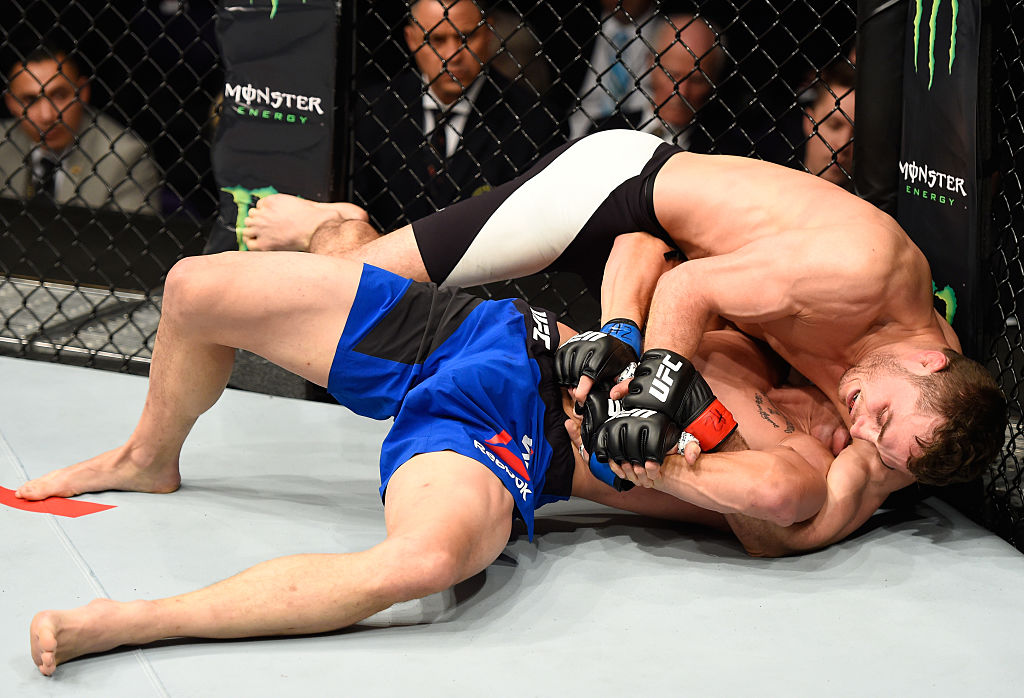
[
  {"x": 760, "y": 546},
  {"x": 761, "y": 553},
  {"x": 785, "y": 496},
  {"x": 775, "y": 501}
]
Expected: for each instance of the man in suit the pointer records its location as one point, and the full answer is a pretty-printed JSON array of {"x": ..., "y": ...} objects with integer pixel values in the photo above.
[
  {"x": 448, "y": 129},
  {"x": 615, "y": 76},
  {"x": 444, "y": 131},
  {"x": 57, "y": 148},
  {"x": 686, "y": 64}
]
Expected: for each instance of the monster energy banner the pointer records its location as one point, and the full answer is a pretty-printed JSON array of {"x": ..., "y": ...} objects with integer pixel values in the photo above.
[
  {"x": 938, "y": 193},
  {"x": 276, "y": 123}
]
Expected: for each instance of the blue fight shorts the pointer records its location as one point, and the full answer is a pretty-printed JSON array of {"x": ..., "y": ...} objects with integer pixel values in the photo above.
[{"x": 460, "y": 374}]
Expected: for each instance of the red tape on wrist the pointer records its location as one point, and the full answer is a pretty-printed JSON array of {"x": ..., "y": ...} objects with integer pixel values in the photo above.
[{"x": 712, "y": 426}]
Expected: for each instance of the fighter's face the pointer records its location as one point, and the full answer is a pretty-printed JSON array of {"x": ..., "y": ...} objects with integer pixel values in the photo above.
[
  {"x": 449, "y": 44},
  {"x": 829, "y": 131},
  {"x": 48, "y": 97},
  {"x": 885, "y": 409}
]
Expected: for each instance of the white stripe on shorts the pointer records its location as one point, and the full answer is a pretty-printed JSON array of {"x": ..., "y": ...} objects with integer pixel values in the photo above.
[{"x": 535, "y": 225}]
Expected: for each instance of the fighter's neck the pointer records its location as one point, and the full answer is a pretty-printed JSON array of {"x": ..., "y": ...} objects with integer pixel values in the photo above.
[{"x": 896, "y": 339}]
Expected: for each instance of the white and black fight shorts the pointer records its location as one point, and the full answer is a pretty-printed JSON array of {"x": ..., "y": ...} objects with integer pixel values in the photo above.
[{"x": 561, "y": 215}]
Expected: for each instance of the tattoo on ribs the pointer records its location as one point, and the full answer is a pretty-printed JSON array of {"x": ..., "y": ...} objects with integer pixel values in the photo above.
[{"x": 767, "y": 409}]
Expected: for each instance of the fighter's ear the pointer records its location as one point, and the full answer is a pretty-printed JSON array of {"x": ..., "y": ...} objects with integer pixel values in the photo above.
[{"x": 932, "y": 360}]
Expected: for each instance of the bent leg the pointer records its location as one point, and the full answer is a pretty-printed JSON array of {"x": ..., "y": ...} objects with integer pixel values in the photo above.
[
  {"x": 342, "y": 238},
  {"x": 285, "y": 222},
  {"x": 355, "y": 240},
  {"x": 448, "y": 517},
  {"x": 288, "y": 307}
]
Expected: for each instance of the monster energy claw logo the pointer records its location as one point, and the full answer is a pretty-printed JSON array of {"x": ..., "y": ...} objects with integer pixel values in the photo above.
[
  {"x": 948, "y": 296},
  {"x": 932, "y": 27},
  {"x": 243, "y": 202},
  {"x": 273, "y": 6}
]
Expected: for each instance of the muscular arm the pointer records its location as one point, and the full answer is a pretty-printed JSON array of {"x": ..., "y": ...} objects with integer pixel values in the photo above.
[
  {"x": 633, "y": 268},
  {"x": 749, "y": 285},
  {"x": 636, "y": 262},
  {"x": 852, "y": 495},
  {"x": 779, "y": 486},
  {"x": 776, "y": 501}
]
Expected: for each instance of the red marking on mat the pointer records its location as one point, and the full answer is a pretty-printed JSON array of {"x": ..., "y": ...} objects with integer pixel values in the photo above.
[{"x": 52, "y": 505}]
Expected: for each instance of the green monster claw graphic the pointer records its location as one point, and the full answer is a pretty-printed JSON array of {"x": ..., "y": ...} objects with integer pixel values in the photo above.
[
  {"x": 243, "y": 202},
  {"x": 947, "y": 296},
  {"x": 273, "y": 6},
  {"x": 932, "y": 27}
]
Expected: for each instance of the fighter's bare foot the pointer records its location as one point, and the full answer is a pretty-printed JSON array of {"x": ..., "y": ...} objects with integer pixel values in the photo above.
[
  {"x": 113, "y": 470},
  {"x": 59, "y": 636}
]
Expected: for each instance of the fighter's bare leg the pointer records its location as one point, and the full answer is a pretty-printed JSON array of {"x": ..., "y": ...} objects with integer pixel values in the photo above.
[
  {"x": 447, "y": 518},
  {"x": 397, "y": 252},
  {"x": 285, "y": 222},
  {"x": 341, "y": 238},
  {"x": 289, "y": 308}
]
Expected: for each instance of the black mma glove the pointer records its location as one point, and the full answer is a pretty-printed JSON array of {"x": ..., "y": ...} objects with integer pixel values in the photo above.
[
  {"x": 596, "y": 409},
  {"x": 600, "y": 355},
  {"x": 668, "y": 383},
  {"x": 635, "y": 436}
]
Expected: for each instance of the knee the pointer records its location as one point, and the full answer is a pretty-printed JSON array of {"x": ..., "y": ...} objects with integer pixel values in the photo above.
[
  {"x": 188, "y": 282},
  {"x": 421, "y": 571}
]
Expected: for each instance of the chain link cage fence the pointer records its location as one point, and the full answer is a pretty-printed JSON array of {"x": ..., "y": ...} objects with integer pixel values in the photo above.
[
  {"x": 125, "y": 90},
  {"x": 746, "y": 83},
  {"x": 1003, "y": 503},
  {"x": 82, "y": 262}
]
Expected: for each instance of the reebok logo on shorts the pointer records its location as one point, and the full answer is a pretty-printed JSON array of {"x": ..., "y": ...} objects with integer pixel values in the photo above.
[
  {"x": 497, "y": 444},
  {"x": 514, "y": 466}
]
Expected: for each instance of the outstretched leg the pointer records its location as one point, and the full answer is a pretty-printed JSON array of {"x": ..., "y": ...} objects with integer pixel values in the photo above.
[
  {"x": 448, "y": 517},
  {"x": 288, "y": 307}
]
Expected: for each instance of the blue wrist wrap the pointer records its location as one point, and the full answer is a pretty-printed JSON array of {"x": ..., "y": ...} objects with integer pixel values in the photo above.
[
  {"x": 603, "y": 472},
  {"x": 627, "y": 331}
]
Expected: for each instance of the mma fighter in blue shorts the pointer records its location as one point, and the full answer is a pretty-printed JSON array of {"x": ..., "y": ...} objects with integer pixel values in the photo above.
[{"x": 482, "y": 434}]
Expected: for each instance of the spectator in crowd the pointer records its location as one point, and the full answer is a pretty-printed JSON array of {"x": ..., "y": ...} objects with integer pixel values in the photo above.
[
  {"x": 517, "y": 51},
  {"x": 449, "y": 127},
  {"x": 828, "y": 122},
  {"x": 687, "y": 63},
  {"x": 57, "y": 147},
  {"x": 614, "y": 78}
]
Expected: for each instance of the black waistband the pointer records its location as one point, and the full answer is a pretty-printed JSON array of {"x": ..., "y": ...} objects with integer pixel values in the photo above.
[
  {"x": 654, "y": 165},
  {"x": 541, "y": 343}
]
